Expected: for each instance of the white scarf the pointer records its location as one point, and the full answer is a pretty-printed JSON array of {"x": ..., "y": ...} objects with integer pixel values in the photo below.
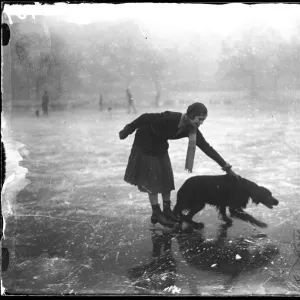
[{"x": 190, "y": 155}]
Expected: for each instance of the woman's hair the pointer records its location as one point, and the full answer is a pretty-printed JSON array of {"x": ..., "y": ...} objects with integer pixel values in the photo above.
[{"x": 196, "y": 109}]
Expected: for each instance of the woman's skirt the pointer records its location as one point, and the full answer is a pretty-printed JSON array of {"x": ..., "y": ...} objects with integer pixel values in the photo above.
[{"x": 151, "y": 174}]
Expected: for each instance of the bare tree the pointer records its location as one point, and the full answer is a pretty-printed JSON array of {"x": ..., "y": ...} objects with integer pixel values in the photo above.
[{"x": 35, "y": 60}]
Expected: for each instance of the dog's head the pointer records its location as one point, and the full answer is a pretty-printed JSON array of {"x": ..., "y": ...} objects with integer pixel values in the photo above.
[{"x": 262, "y": 195}]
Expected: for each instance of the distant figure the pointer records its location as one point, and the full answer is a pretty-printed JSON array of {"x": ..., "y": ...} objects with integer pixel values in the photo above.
[
  {"x": 228, "y": 102},
  {"x": 214, "y": 101},
  {"x": 130, "y": 103},
  {"x": 110, "y": 111},
  {"x": 45, "y": 103},
  {"x": 101, "y": 102},
  {"x": 37, "y": 113}
]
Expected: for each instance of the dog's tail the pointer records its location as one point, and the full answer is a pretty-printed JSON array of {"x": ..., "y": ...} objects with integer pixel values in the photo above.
[{"x": 240, "y": 214}]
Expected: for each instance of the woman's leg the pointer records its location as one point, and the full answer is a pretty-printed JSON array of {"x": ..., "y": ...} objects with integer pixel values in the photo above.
[
  {"x": 167, "y": 207},
  {"x": 157, "y": 215},
  {"x": 153, "y": 198}
]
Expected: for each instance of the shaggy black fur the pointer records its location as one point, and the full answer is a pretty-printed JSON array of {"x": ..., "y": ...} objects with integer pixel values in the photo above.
[{"x": 221, "y": 191}]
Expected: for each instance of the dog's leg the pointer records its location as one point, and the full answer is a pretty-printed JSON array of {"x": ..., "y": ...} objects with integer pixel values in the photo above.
[
  {"x": 177, "y": 211},
  {"x": 182, "y": 203},
  {"x": 223, "y": 216},
  {"x": 242, "y": 215},
  {"x": 189, "y": 217}
]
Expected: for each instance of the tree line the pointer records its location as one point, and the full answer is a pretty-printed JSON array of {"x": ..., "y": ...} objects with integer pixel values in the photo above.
[
  {"x": 260, "y": 60},
  {"x": 67, "y": 59}
]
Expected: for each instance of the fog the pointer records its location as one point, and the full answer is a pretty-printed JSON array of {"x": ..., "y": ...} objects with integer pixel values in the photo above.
[{"x": 180, "y": 48}]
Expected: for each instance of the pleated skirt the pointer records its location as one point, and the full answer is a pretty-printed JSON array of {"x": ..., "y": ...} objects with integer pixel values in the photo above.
[{"x": 151, "y": 174}]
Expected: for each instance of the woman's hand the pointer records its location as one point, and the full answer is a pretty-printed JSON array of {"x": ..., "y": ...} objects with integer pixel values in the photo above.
[
  {"x": 228, "y": 170},
  {"x": 233, "y": 174},
  {"x": 123, "y": 134}
]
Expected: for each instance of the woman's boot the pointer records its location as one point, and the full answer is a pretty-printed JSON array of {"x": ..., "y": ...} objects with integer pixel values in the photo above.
[
  {"x": 158, "y": 217},
  {"x": 168, "y": 212}
]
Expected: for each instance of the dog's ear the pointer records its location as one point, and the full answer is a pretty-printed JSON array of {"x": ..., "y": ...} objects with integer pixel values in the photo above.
[
  {"x": 258, "y": 193},
  {"x": 253, "y": 190},
  {"x": 240, "y": 197}
]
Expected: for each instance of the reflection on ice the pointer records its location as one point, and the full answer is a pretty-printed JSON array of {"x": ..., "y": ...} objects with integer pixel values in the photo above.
[
  {"x": 225, "y": 256},
  {"x": 160, "y": 273},
  {"x": 97, "y": 226}
]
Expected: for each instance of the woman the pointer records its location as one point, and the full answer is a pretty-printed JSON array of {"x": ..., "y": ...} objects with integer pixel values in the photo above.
[{"x": 149, "y": 167}]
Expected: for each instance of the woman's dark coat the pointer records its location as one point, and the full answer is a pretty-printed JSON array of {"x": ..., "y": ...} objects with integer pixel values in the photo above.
[{"x": 153, "y": 130}]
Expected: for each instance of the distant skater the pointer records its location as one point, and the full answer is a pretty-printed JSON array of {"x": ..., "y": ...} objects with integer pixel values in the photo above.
[
  {"x": 45, "y": 103},
  {"x": 130, "y": 103},
  {"x": 110, "y": 111},
  {"x": 101, "y": 102}
]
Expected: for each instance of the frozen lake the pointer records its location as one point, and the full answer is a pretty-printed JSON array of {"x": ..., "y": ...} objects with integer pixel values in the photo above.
[{"x": 74, "y": 226}]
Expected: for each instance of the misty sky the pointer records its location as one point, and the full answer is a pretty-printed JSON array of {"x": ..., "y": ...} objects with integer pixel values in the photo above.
[{"x": 166, "y": 18}]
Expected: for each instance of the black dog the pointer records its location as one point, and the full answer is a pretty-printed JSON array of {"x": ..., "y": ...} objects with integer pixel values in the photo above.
[{"x": 221, "y": 191}]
